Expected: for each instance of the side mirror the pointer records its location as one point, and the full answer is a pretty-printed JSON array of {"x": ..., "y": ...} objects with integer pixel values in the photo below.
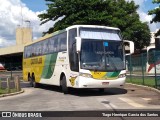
[
  {"x": 78, "y": 44},
  {"x": 131, "y": 46}
]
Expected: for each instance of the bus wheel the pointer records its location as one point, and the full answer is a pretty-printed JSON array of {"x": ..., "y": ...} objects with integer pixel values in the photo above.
[
  {"x": 30, "y": 81},
  {"x": 64, "y": 85},
  {"x": 35, "y": 85},
  {"x": 101, "y": 90}
]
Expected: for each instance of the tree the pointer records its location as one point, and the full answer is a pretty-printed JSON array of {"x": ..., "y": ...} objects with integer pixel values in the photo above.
[
  {"x": 114, "y": 13},
  {"x": 156, "y": 13}
]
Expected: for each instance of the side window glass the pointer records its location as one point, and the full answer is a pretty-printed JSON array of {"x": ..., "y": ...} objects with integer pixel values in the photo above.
[
  {"x": 63, "y": 42},
  {"x": 45, "y": 47},
  {"x": 34, "y": 50},
  {"x": 25, "y": 52},
  {"x": 73, "y": 56},
  {"x": 55, "y": 47},
  {"x": 50, "y": 45},
  {"x": 38, "y": 49},
  {"x": 29, "y": 51}
]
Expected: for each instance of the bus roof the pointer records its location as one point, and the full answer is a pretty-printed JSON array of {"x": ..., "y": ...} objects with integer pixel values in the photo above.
[
  {"x": 68, "y": 28},
  {"x": 92, "y": 26}
]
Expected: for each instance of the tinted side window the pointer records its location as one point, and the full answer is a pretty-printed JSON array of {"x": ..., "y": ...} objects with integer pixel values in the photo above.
[
  {"x": 34, "y": 46},
  {"x": 29, "y": 50},
  {"x": 55, "y": 46},
  {"x": 45, "y": 47},
  {"x": 25, "y": 52},
  {"x": 38, "y": 49},
  {"x": 73, "y": 56},
  {"x": 50, "y": 44},
  {"x": 63, "y": 42}
]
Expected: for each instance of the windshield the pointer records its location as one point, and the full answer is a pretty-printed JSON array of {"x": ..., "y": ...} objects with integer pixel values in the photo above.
[{"x": 102, "y": 55}]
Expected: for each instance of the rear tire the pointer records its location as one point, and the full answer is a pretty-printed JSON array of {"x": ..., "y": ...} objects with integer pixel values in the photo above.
[
  {"x": 32, "y": 82},
  {"x": 35, "y": 85},
  {"x": 64, "y": 85}
]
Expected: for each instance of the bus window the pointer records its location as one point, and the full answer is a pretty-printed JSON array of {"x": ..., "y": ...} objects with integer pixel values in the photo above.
[
  {"x": 51, "y": 45},
  {"x": 45, "y": 47},
  {"x": 29, "y": 51},
  {"x": 25, "y": 52},
  {"x": 34, "y": 48},
  {"x": 73, "y": 56},
  {"x": 63, "y": 40},
  {"x": 38, "y": 49},
  {"x": 55, "y": 46}
]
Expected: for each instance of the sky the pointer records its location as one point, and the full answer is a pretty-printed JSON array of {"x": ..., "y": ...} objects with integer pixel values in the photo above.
[{"x": 13, "y": 12}]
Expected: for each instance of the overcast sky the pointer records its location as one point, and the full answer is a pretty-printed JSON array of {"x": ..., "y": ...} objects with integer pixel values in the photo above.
[{"x": 12, "y": 12}]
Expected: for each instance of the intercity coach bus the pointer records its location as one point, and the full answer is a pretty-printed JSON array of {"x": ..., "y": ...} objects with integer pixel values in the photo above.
[{"x": 80, "y": 56}]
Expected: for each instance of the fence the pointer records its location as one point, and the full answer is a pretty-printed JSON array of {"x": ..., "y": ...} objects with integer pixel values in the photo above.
[
  {"x": 144, "y": 69},
  {"x": 10, "y": 78},
  {"x": 10, "y": 85},
  {"x": 11, "y": 70}
]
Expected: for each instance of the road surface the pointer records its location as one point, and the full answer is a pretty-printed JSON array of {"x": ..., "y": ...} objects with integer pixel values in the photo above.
[{"x": 50, "y": 98}]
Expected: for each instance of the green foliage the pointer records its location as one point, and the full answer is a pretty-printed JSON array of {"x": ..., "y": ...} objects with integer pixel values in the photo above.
[
  {"x": 114, "y": 13},
  {"x": 156, "y": 13}
]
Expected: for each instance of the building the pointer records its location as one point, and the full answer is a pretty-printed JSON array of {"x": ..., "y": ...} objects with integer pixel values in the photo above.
[{"x": 11, "y": 57}]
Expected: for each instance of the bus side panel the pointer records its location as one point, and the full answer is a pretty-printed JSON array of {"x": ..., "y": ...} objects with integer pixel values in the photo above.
[
  {"x": 49, "y": 66},
  {"x": 58, "y": 64},
  {"x": 33, "y": 65}
]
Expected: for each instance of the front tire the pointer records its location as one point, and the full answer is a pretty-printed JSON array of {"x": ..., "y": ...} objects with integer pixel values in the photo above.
[{"x": 64, "y": 85}]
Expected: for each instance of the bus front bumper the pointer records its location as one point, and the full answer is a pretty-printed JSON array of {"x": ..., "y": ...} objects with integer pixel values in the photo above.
[{"x": 83, "y": 82}]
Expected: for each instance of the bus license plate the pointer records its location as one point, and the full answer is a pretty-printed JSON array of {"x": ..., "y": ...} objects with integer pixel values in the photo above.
[{"x": 105, "y": 83}]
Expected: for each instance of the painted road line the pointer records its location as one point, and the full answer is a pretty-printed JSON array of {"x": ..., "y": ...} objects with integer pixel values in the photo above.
[
  {"x": 132, "y": 103},
  {"x": 106, "y": 103},
  {"x": 147, "y": 99}
]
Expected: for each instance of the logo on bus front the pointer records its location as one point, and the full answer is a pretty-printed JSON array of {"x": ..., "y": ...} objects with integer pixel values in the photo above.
[{"x": 98, "y": 75}]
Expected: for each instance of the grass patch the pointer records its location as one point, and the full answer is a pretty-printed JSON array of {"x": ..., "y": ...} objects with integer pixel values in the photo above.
[
  {"x": 148, "y": 81},
  {"x": 5, "y": 91}
]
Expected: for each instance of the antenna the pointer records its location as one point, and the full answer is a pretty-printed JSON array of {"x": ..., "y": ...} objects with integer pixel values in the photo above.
[{"x": 21, "y": 15}]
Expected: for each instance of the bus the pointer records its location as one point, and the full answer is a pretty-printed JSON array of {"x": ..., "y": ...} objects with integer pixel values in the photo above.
[
  {"x": 80, "y": 56},
  {"x": 153, "y": 60}
]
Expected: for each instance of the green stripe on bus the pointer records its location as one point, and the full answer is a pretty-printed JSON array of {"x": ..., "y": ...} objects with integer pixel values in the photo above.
[
  {"x": 112, "y": 74},
  {"x": 49, "y": 66}
]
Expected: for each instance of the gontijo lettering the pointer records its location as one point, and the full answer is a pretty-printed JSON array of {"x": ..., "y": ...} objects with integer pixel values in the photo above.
[{"x": 36, "y": 61}]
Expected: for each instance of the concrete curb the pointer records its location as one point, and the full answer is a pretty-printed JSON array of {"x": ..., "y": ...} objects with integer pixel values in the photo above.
[
  {"x": 11, "y": 94},
  {"x": 145, "y": 87}
]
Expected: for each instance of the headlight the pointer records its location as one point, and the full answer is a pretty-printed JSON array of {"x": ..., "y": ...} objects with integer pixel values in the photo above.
[
  {"x": 85, "y": 75},
  {"x": 122, "y": 75}
]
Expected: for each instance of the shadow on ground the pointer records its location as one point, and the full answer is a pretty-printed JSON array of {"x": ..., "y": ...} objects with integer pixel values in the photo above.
[{"x": 81, "y": 92}]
